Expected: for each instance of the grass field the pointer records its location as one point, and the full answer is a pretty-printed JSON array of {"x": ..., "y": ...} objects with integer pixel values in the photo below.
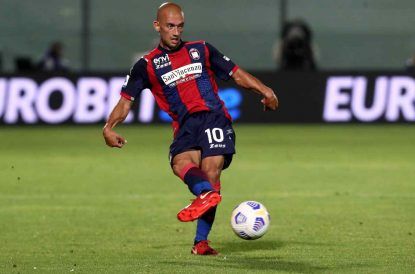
[{"x": 341, "y": 198}]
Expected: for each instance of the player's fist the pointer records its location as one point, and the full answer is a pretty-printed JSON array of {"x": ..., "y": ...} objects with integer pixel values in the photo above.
[
  {"x": 112, "y": 139},
  {"x": 270, "y": 101}
]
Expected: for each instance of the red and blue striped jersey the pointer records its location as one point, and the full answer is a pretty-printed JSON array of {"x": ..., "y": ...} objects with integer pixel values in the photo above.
[{"x": 182, "y": 80}]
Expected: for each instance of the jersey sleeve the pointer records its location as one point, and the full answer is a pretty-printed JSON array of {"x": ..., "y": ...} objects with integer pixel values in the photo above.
[
  {"x": 221, "y": 65},
  {"x": 136, "y": 81}
]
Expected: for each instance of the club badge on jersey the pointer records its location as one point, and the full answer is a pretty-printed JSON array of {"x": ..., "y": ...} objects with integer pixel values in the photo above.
[{"x": 194, "y": 54}]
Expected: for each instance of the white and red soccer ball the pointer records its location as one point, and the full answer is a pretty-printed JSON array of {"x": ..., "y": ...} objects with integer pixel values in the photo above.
[{"x": 250, "y": 220}]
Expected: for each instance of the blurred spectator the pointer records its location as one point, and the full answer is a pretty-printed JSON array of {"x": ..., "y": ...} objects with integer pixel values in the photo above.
[
  {"x": 23, "y": 64},
  {"x": 53, "y": 59},
  {"x": 410, "y": 64},
  {"x": 295, "y": 51}
]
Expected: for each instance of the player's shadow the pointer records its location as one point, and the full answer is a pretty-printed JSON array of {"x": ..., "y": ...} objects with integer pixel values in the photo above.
[
  {"x": 260, "y": 263},
  {"x": 243, "y": 246},
  {"x": 236, "y": 255},
  {"x": 250, "y": 263}
]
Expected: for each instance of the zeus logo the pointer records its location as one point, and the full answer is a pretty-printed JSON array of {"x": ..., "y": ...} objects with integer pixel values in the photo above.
[
  {"x": 181, "y": 72},
  {"x": 348, "y": 97}
]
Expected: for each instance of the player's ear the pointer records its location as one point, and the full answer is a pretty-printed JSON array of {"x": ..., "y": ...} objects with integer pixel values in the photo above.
[{"x": 156, "y": 26}]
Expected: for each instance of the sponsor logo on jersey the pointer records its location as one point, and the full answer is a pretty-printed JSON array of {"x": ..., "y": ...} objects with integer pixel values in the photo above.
[
  {"x": 226, "y": 58},
  {"x": 162, "y": 61},
  {"x": 182, "y": 74},
  {"x": 194, "y": 54}
]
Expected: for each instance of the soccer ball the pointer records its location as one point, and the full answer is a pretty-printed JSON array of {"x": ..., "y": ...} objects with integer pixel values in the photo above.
[{"x": 250, "y": 220}]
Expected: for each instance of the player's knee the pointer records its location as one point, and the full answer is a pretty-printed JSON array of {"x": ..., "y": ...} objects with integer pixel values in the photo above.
[
  {"x": 179, "y": 167},
  {"x": 175, "y": 169},
  {"x": 212, "y": 173}
]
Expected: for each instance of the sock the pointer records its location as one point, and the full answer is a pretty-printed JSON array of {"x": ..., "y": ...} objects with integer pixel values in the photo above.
[
  {"x": 195, "y": 179},
  {"x": 204, "y": 223},
  {"x": 216, "y": 186}
]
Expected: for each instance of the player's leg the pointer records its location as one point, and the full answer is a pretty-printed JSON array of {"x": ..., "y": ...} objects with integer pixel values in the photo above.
[
  {"x": 217, "y": 140},
  {"x": 186, "y": 165},
  {"x": 212, "y": 167}
]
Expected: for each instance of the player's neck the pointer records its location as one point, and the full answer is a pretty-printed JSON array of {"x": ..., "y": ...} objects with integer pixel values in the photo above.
[{"x": 165, "y": 47}]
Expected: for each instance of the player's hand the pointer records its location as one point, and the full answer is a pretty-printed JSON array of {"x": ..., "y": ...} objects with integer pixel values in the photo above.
[
  {"x": 112, "y": 139},
  {"x": 270, "y": 101}
]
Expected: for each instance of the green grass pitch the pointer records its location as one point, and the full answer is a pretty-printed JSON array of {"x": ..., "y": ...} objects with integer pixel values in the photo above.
[{"x": 341, "y": 199}]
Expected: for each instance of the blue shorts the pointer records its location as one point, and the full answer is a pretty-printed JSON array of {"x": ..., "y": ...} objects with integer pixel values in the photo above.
[{"x": 209, "y": 132}]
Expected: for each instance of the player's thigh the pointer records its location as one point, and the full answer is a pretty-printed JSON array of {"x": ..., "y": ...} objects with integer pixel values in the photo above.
[
  {"x": 184, "y": 159},
  {"x": 212, "y": 166},
  {"x": 217, "y": 136}
]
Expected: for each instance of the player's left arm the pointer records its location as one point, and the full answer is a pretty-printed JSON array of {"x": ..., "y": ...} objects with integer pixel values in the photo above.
[
  {"x": 224, "y": 69},
  {"x": 248, "y": 81}
]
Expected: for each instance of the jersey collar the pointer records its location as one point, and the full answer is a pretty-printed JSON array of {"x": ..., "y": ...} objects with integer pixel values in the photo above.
[{"x": 173, "y": 50}]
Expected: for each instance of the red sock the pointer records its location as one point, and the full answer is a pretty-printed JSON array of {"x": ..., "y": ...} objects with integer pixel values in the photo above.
[
  {"x": 216, "y": 186},
  {"x": 195, "y": 179}
]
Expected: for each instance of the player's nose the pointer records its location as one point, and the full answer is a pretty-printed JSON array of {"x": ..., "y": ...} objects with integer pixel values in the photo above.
[{"x": 176, "y": 31}]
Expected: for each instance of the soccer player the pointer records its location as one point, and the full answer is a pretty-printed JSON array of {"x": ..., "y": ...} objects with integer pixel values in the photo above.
[{"x": 181, "y": 77}]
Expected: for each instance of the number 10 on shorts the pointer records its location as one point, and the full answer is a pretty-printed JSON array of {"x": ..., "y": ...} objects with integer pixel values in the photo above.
[{"x": 215, "y": 134}]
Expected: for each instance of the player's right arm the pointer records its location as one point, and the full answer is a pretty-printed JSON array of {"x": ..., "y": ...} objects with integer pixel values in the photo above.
[
  {"x": 118, "y": 115},
  {"x": 134, "y": 83}
]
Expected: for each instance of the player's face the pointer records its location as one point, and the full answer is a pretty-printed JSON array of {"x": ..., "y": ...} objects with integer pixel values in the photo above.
[{"x": 170, "y": 27}]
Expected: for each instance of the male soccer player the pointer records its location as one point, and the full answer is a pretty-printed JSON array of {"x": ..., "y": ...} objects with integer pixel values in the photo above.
[{"x": 181, "y": 77}]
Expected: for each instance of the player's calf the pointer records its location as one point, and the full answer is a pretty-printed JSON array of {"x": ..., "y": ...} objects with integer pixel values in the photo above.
[{"x": 195, "y": 179}]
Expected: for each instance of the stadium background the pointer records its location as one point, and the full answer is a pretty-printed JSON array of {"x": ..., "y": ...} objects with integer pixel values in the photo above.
[
  {"x": 341, "y": 196},
  {"x": 357, "y": 34}
]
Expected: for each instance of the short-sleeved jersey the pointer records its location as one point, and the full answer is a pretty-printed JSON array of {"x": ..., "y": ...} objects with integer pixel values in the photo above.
[{"x": 182, "y": 80}]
